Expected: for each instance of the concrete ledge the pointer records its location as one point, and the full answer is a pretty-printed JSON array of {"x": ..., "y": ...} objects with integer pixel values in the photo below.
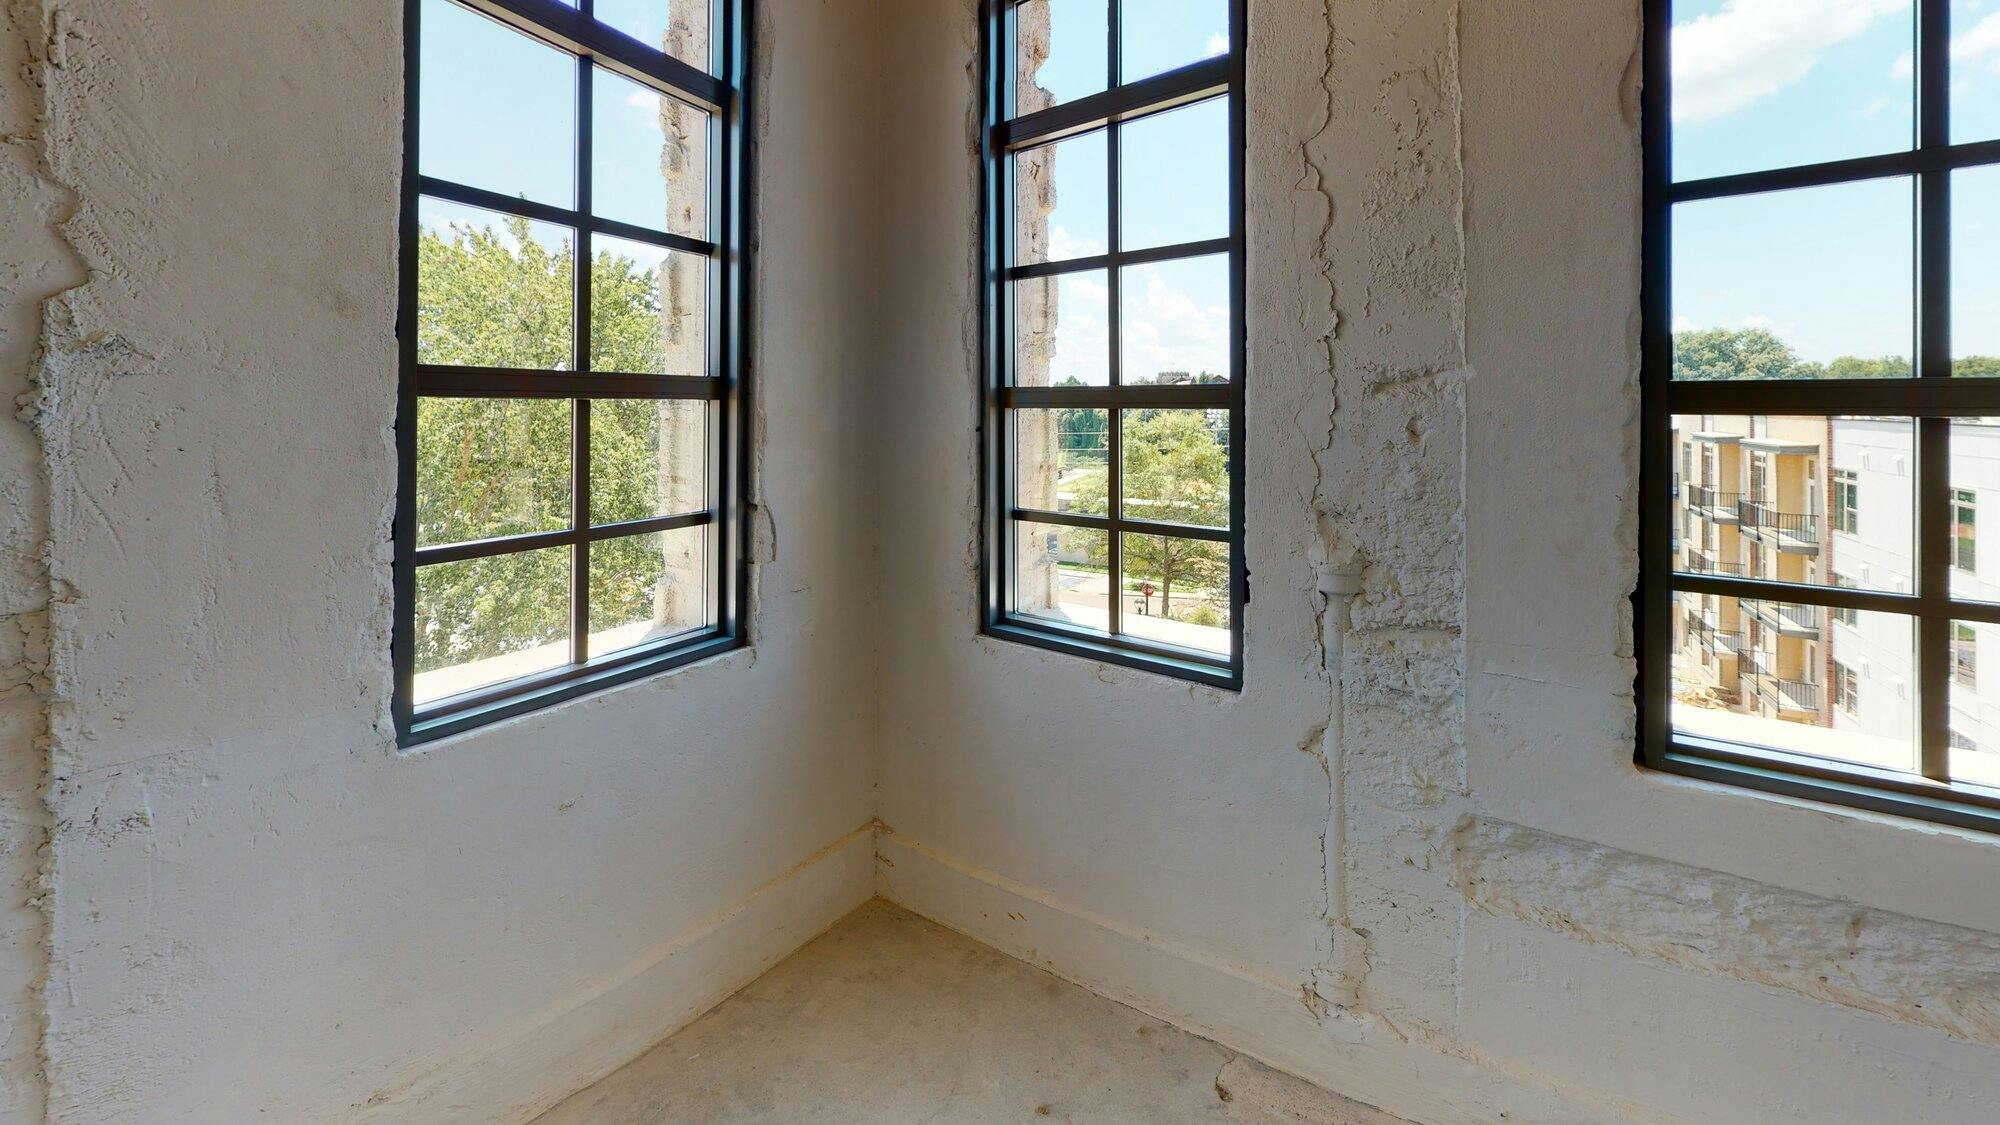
[
  {"x": 1242, "y": 1007},
  {"x": 526, "y": 1067}
]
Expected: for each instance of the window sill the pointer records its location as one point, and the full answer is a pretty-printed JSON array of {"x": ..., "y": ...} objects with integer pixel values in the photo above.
[{"x": 564, "y": 684}]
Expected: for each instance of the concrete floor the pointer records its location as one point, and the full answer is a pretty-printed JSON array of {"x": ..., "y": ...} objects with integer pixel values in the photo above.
[{"x": 891, "y": 1018}]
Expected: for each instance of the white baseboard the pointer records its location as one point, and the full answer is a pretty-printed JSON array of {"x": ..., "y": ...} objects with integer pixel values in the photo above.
[
  {"x": 529, "y": 1066},
  {"x": 1248, "y": 1010}
]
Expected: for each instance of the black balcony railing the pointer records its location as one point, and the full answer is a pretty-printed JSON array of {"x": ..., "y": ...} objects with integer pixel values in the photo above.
[
  {"x": 1701, "y": 634},
  {"x": 1711, "y": 504},
  {"x": 1701, "y": 562},
  {"x": 1766, "y": 521},
  {"x": 1777, "y": 694},
  {"x": 1788, "y": 615}
]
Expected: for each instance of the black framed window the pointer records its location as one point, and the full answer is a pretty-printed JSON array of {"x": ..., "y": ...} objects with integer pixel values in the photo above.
[
  {"x": 571, "y": 329},
  {"x": 1820, "y": 293},
  {"x": 1113, "y": 416}
]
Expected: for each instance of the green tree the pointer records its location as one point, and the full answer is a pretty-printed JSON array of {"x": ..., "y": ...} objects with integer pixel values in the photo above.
[
  {"x": 497, "y": 296},
  {"x": 1175, "y": 465},
  {"x": 1759, "y": 353},
  {"x": 1737, "y": 353}
]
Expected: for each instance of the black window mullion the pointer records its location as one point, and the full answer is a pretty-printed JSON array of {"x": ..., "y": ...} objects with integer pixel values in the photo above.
[
  {"x": 579, "y": 440},
  {"x": 574, "y": 29},
  {"x": 1932, "y": 397},
  {"x": 1004, "y": 135},
  {"x": 1933, "y": 351},
  {"x": 1114, "y": 437}
]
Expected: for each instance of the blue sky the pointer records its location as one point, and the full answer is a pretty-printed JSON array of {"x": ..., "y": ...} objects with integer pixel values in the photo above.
[
  {"x": 497, "y": 109},
  {"x": 1760, "y": 84},
  {"x": 1174, "y": 183}
]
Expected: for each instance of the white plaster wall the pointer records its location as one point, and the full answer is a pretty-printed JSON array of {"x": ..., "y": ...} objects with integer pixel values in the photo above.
[
  {"x": 1412, "y": 860},
  {"x": 1511, "y": 920},
  {"x": 34, "y": 264},
  {"x": 259, "y": 906}
]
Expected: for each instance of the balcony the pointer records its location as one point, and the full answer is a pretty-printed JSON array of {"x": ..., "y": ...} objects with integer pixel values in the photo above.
[
  {"x": 1790, "y": 532},
  {"x": 1717, "y": 642},
  {"x": 1701, "y": 562},
  {"x": 1717, "y": 507},
  {"x": 1774, "y": 694},
  {"x": 1790, "y": 619}
]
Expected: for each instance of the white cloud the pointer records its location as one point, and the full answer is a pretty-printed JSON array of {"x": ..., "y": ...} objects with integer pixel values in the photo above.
[
  {"x": 1083, "y": 332},
  {"x": 1979, "y": 44},
  {"x": 1168, "y": 326},
  {"x": 1171, "y": 329},
  {"x": 1754, "y": 48},
  {"x": 1063, "y": 245},
  {"x": 1218, "y": 44}
]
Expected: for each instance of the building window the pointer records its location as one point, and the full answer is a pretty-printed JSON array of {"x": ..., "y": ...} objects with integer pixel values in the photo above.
[
  {"x": 1816, "y": 294},
  {"x": 1964, "y": 526},
  {"x": 1846, "y": 615},
  {"x": 570, "y": 428},
  {"x": 1846, "y": 690},
  {"x": 1113, "y": 491},
  {"x": 1846, "y": 502}
]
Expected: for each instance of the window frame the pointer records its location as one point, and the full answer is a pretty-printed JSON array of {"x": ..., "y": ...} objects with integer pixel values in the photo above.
[
  {"x": 1002, "y": 136},
  {"x": 1846, "y": 500},
  {"x": 1933, "y": 397},
  {"x": 1965, "y": 530},
  {"x": 724, "y": 95}
]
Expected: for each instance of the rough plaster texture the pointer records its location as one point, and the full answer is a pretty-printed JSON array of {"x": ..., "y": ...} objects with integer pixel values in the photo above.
[
  {"x": 1412, "y": 860},
  {"x": 259, "y": 906},
  {"x": 34, "y": 265}
]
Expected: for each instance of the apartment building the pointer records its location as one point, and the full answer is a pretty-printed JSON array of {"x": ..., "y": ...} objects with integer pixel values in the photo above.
[{"x": 1824, "y": 501}]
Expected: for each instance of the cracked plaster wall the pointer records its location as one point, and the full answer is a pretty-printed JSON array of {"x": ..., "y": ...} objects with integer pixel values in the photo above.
[
  {"x": 258, "y": 905},
  {"x": 1413, "y": 859}
]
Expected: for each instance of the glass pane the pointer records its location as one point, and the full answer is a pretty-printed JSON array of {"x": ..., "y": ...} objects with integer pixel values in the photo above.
[
  {"x": 645, "y": 587},
  {"x": 496, "y": 109},
  {"x": 1176, "y": 592},
  {"x": 1061, "y": 458},
  {"x": 1809, "y": 499},
  {"x": 648, "y": 457},
  {"x": 1772, "y": 84},
  {"x": 1806, "y": 284},
  {"x": 1155, "y": 36},
  {"x": 1061, "y": 51},
  {"x": 489, "y": 620},
  {"x": 1062, "y": 193},
  {"x": 649, "y": 157},
  {"x": 493, "y": 290},
  {"x": 1062, "y": 333},
  {"x": 1974, "y": 501},
  {"x": 1173, "y": 176},
  {"x": 1975, "y": 704},
  {"x": 1060, "y": 574},
  {"x": 648, "y": 309},
  {"x": 1975, "y": 264},
  {"x": 488, "y": 467},
  {"x": 1176, "y": 466},
  {"x": 678, "y": 27},
  {"x": 1175, "y": 323},
  {"x": 1975, "y": 71},
  {"x": 1798, "y": 678}
]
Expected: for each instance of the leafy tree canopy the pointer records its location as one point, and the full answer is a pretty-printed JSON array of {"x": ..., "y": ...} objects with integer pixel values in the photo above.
[
  {"x": 1759, "y": 353},
  {"x": 495, "y": 296}
]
